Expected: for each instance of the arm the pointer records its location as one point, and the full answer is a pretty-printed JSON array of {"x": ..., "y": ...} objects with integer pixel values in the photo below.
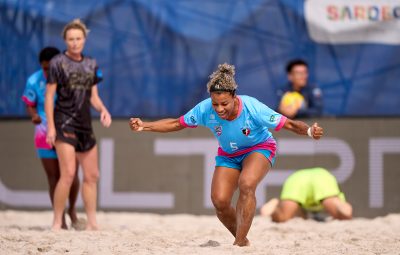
[
  {"x": 301, "y": 128},
  {"x": 35, "y": 118},
  {"x": 96, "y": 102},
  {"x": 49, "y": 109},
  {"x": 163, "y": 126}
]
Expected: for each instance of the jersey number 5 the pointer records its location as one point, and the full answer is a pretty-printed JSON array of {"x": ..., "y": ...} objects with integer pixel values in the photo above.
[{"x": 234, "y": 146}]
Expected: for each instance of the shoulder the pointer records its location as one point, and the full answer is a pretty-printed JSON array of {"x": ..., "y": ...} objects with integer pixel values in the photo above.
[
  {"x": 251, "y": 102},
  {"x": 35, "y": 77},
  {"x": 89, "y": 60},
  {"x": 204, "y": 105},
  {"x": 57, "y": 59}
]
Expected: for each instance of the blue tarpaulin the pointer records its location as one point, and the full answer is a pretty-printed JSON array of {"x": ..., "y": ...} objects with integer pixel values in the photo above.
[{"x": 156, "y": 56}]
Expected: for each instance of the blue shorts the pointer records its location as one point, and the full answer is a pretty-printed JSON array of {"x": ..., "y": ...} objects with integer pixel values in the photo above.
[
  {"x": 46, "y": 153},
  {"x": 236, "y": 162}
]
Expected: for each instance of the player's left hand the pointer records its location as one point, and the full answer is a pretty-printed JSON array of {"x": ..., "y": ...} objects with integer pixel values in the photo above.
[
  {"x": 316, "y": 131},
  {"x": 105, "y": 118}
]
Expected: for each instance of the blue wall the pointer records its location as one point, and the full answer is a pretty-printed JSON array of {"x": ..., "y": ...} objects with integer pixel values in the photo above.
[{"x": 156, "y": 55}]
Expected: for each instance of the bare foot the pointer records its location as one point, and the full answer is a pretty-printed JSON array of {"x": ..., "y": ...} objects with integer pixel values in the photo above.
[
  {"x": 345, "y": 210},
  {"x": 92, "y": 227},
  {"x": 64, "y": 224},
  {"x": 56, "y": 227},
  {"x": 242, "y": 243}
]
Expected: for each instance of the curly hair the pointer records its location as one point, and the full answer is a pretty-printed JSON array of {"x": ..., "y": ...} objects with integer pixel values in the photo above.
[
  {"x": 75, "y": 24},
  {"x": 47, "y": 53},
  {"x": 222, "y": 79}
]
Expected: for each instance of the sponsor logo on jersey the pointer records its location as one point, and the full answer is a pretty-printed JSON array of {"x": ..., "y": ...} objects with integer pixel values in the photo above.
[
  {"x": 192, "y": 119},
  {"x": 272, "y": 118}
]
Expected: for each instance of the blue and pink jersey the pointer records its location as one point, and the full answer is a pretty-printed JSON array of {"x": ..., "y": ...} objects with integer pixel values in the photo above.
[
  {"x": 34, "y": 95},
  {"x": 248, "y": 132}
]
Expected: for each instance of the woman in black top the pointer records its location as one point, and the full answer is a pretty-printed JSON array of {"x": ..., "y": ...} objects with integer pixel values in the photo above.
[{"x": 74, "y": 77}]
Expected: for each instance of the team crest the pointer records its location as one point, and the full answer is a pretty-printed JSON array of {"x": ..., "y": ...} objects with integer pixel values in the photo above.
[
  {"x": 218, "y": 130},
  {"x": 246, "y": 131}
]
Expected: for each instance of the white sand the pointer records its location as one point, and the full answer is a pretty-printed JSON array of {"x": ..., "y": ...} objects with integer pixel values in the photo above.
[{"x": 24, "y": 232}]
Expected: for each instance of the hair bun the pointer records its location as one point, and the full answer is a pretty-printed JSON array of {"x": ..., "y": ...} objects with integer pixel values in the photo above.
[{"x": 227, "y": 69}]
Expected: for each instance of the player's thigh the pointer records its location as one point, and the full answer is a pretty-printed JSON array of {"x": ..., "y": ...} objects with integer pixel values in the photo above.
[
  {"x": 255, "y": 168},
  {"x": 88, "y": 161},
  {"x": 66, "y": 158},
  {"x": 224, "y": 183},
  {"x": 51, "y": 167}
]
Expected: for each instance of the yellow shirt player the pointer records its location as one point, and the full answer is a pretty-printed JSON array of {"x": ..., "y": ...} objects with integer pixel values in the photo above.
[{"x": 312, "y": 190}]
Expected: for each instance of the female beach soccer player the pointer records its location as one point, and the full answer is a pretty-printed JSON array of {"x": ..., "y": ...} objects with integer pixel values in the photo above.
[
  {"x": 75, "y": 77},
  {"x": 247, "y": 149},
  {"x": 33, "y": 97}
]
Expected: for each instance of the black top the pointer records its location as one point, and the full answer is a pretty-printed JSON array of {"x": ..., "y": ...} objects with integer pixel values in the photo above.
[{"x": 74, "y": 81}]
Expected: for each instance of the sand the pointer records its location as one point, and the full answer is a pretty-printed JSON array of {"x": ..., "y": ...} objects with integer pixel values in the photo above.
[{"x": 23, "y": 232}]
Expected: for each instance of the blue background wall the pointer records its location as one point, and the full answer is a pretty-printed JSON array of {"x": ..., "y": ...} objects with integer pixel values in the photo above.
[{"x": 156, "y": 55}]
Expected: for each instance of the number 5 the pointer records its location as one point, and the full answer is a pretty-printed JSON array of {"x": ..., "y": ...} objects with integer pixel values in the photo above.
[{"x": 234, "y": 146}]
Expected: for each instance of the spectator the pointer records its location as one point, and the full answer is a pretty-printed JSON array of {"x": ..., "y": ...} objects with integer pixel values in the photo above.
[{"x": 299, "y": 99}]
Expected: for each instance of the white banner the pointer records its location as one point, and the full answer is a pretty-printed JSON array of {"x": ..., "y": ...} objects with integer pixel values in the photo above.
[{"x": 353, "y": 21}]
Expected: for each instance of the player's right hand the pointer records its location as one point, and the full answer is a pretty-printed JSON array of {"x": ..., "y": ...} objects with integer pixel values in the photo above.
[
  {"x": 36, "y": 119},
  {"x": 51, "y": 136},
  {"x": 136, "y": 124}
]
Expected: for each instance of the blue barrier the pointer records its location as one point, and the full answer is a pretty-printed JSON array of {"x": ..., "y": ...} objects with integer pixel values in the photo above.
[{"x": 156, "y": 55}]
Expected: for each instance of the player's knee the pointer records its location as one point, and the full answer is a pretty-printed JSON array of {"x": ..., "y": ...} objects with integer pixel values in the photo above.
[
  {"x": 52, "y": 180},
  {"x": 220, "y": 203},
  {"x": 91, "y": 177},
  {"x": 67, "y": 178},
  {"x": 247, "y": 188}
]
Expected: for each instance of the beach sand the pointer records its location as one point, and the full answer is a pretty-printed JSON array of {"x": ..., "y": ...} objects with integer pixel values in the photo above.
[{"x": 28, "y": 232}]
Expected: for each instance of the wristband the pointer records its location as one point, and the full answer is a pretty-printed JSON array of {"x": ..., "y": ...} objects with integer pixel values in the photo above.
[{"x": 309, "y": 132}]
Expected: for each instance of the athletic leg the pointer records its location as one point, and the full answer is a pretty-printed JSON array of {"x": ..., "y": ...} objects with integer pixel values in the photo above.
[
  {"x": 255, "y": 167},
  {"x": 52, "y": 170},
  {"x": 286, "y": 210},
  {"x": 73, "y": 196},
  {"x": 337, "y": 208},
  {"x": 88, "y": 161},
  {"x": 224, "y": 184},
  {"x": 67, "y": 162}
]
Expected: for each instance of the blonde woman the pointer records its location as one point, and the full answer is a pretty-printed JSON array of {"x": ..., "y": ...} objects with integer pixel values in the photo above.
[{"x": 74, "y": 77}]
